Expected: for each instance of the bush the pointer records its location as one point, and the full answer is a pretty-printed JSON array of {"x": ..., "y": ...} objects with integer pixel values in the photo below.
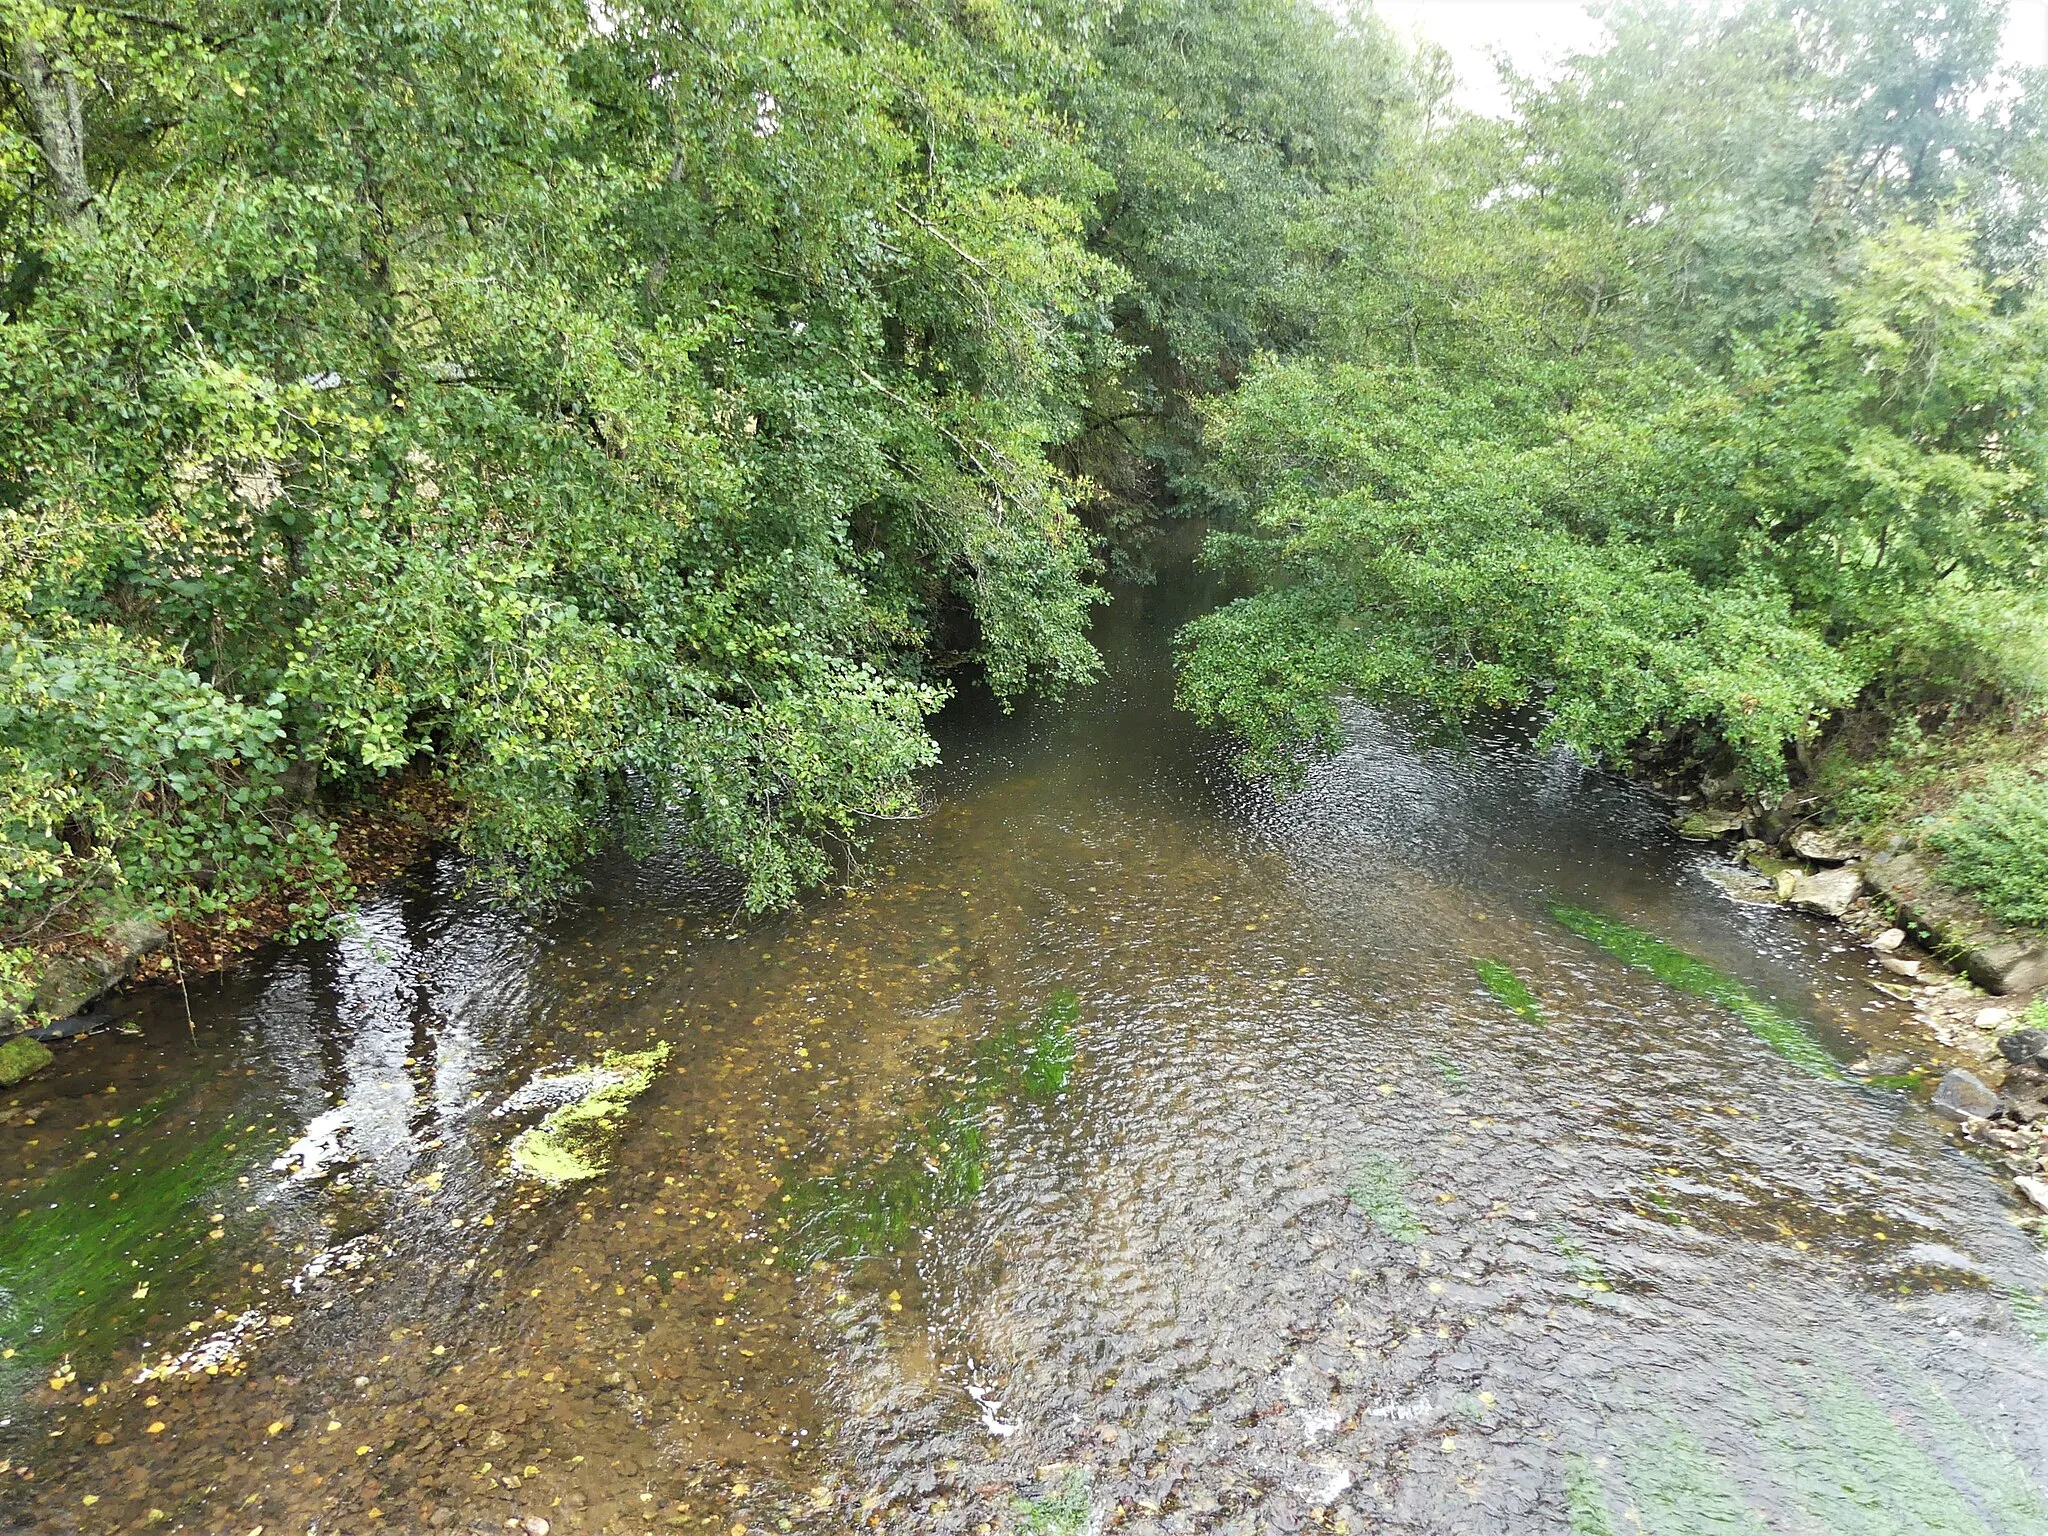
[{"x": 1996, "y": 847}]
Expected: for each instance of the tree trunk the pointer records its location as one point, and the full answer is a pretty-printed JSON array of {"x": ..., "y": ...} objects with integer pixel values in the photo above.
[{"x": 50, "y": 88}]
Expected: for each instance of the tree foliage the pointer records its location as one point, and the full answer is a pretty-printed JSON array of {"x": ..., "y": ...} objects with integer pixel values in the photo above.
[
  {"x": 652, "y": 407},
  {"x": 1697, "y": 401}
]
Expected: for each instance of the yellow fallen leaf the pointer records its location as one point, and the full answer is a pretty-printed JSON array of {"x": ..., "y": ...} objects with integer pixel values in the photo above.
[{"x": 157, "y": 1428}]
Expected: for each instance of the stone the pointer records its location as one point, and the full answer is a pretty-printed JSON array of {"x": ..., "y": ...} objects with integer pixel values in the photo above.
[
  {"x": 2035, "y": 1191},
  {"x": 1888, "y": 941},
  {"x": 1992, "y": 1018},
  {"x": 1995, "y": 957},
  {"x": 1818, "y": 846},
  {"x": 2025, "y": 1047},
  {"x": 1910, "y": 969},
  {"x": 1884, "y": 1064},
  {"x": 1963, "y": 1096},
  {"x": 134, "y": 937},
  {"x": 70, "y": 982},
  {"x": 1708, "y": 826},
  {"x": 21, "y": 1058},
  {"x": 1828, "y": 893}
]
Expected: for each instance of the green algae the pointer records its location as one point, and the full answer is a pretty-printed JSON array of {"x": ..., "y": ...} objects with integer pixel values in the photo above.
[
  {"x": 938, "y": 1162},
  {"x": 101, "y": 1245},
  {"x": 1682, "y": 1490},
  {"x": 1675, "y": 968},
  {"x": 1066, "y": 1511},
  {"x": 1583, "y": 1266},
  {"x": 1585, "y": 1500},
  {"x": 574, "y": 1141},
  {"x": 22, "y": 1058},
  {"x": 1508, "y": 988},
  {"x": 1379, "y": 1188}
]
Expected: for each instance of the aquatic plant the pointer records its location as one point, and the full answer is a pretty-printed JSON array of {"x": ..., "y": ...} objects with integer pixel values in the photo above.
[
  {"x": 1675, "y": 968},
  {"x": 1585, "y": 1501},
  {"x": 1379, "y": 1188},
  {"x": 108, "y": 1240},
  {"x": 1067, "y": 1511},
  {"x": 938, "y": 1162},
  {"x": 1508, "y": 988},
  {"x": 1583, "y": 1266},
  {"x": 571, "y": 1143}
]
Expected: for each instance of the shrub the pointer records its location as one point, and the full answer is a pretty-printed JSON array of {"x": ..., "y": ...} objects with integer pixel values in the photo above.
[{"x": 1996, "y": 847}]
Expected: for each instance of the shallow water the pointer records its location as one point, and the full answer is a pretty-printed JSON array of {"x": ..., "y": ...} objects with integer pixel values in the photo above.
[{"x": 1317, "y": 1235}]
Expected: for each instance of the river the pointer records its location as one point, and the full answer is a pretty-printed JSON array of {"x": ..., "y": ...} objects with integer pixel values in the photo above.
[{"x": 1313, "y": 1233}]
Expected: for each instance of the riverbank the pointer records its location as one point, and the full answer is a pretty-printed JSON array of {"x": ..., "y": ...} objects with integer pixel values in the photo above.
[{"x": 66, "y": 963}]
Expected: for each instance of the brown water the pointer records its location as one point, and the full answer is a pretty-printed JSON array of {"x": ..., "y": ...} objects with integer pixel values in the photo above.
[{"x": 1317, "y": 1236}]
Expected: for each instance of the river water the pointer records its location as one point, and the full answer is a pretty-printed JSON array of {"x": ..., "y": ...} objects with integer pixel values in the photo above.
[{"x": 1317, "y": 1235}]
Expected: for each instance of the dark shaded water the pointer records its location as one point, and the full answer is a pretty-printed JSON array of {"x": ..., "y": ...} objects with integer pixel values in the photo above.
[{"x": 1318, "y": 1236}]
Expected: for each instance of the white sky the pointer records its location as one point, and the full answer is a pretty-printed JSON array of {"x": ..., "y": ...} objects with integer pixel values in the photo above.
[{"x": 1536, "y": 33}]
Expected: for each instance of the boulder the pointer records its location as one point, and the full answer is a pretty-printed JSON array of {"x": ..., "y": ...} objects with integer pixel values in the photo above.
[
  {"x": 1828, "y": 892},
  {"x": 1963, "y": 1096},
  {"x": 2025, "y": 1047},
  {"x": 71, "y": 981},
  {"x": 1997, "y": 958},
  {"x": 1708, "y": 826},
  {"x": 1889, "y": 940},
  {"x": 22, "y": 1058},
  {"x": 1818, "y": 846},
  {"x": 2035, "y": 1191}
]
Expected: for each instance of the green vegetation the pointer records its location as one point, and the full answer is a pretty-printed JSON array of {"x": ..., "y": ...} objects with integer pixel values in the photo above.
[
  {"x": 1697, "y": 404},
  {"x": 1996, "y": 846},
  {"x": 22, "y": 1058},
  {"x": 573, "y": 1140},
  {"x": 1064, "y": 1512},
  {"x": 1585, "y": 1269},
  {"x": 96, "y": 1247},
  {"x": 640, "y": 419},
  {"x": 1508, "y": 988},
  {"x": 1379, "y": 1188},
  {"x": 1585, "y": 1499},
  {"x": 1675, "y": 968},
  {"x": 878, "y": 1204}
]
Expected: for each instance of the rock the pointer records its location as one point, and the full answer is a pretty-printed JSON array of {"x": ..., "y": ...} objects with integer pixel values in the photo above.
[
  {"x": 1963, "y": 1096},
  {"x": 1992, "y": 1018},
  {"x": 2035, "y": 1190},
  {"x": 1822, "y": 847},
  {"x": 1828, "y": 893},
  {"x": 2008, "y": 965},
  {"x": 1910, "y": 969},
  {"x": 134, "y": 937},
  {"x": 2024, "y": 1047},
  {"x": 70, "y": 982},
  {"x": 1997, "y": 958},
  {"x": 1708, "y": 826},
  {"x": 1889, "y": 940},
  {"x": 1884, "y": 1064},
  {"x": 22, "y": 1058},
  {"x": 1759, "y": 856},
  {"x": 1717, "y": 788}
]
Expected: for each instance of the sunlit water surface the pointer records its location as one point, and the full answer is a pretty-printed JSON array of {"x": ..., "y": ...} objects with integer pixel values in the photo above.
[{"x": 1318, "y": 1235}]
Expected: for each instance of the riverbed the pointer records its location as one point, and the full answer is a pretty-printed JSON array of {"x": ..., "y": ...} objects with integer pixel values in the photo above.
[{"x": 1312, "y": 1232}]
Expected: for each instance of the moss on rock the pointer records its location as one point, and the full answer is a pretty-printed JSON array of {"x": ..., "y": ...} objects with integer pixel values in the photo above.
[{"x": 573, "y": 1142}]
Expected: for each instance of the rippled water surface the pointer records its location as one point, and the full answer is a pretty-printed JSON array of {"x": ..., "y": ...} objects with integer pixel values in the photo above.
[{"x": 1317, "y": 1235}]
